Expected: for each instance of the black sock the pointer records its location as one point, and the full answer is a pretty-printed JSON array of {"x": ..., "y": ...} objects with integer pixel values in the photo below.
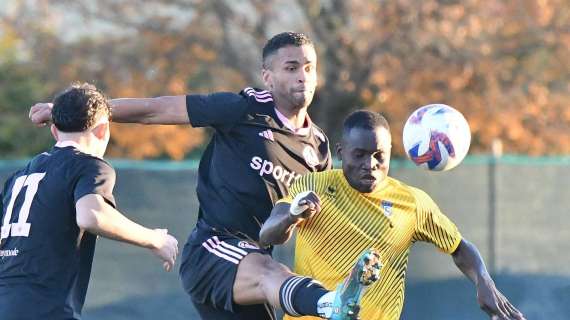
[{"x": 299, "y": 296}]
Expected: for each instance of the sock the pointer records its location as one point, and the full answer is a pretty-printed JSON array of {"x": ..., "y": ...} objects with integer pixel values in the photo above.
[
  {"x": 299, "y": 296},
  {"x": 325, "y": 304}
]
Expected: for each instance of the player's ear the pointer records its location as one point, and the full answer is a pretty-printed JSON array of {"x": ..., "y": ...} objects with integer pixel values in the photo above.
[
  {"x": 338, "y": 148},
  {"x": 267, "y": 78},
  {"x": 53, "y": 130},
  {"x": 100, "y": 130}
]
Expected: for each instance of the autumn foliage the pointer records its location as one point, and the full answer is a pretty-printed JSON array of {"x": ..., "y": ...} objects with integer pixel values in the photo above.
[{"x": 503, "y": 64}]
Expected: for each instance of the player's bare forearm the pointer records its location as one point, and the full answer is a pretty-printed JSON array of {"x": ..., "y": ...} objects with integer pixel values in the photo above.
[
  {"x": 490, "y": 299},
  {"x": 468, "y": 259},
  {"x": 98, "y": 217},
  {"x": 279, "y": 227},
  {"x": 159, "y": 110}
]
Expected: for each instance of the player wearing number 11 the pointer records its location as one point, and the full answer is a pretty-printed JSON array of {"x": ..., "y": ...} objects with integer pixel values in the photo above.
[{"x": 52, "y": 210}]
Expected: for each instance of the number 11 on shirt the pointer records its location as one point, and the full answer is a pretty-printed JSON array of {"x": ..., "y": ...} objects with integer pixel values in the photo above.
[{"x": 22, "y": 227}]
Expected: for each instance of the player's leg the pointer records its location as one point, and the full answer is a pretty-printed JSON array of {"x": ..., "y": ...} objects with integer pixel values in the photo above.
[
  {"x": 261, "y": 279},
  {"x": 208, "y": 270},
  {"x": 222, "y": 273}
]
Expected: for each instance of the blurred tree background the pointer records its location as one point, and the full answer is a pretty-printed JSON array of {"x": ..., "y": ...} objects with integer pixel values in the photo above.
[{"x": 503, "y": 63}]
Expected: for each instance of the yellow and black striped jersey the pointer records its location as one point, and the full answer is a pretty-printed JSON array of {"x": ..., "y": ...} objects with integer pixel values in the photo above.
[{"x": 389, "y": 220}]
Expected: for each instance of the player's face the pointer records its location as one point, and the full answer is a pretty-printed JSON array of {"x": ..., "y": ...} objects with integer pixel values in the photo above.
[
  {"x": 365, "y": 156},
  {"x": 292, "y": 76}
]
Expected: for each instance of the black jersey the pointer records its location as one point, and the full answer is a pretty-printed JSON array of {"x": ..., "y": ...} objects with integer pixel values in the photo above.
[
  {"x": 45, "y": 260},
  {"x": 251, "y": 160}
]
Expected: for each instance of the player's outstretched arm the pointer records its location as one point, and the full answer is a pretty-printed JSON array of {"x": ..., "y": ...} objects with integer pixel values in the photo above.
[
  {"x": 490, "y": 299},
  {"x": 285, "y": 216},
  {"x": 98, "y": 217},
  {"x": 159, "y": 110}
]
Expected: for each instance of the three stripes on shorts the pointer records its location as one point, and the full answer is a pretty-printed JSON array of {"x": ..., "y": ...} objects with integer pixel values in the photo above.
[{"x": 224, "y": 250}]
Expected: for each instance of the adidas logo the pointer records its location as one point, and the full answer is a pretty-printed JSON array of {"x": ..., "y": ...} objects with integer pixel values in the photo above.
[{"x": 267, "y": 134}]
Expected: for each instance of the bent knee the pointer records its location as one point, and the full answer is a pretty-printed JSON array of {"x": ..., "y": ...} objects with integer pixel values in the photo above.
[
  {"x": 263, "y": 268},
  {"x": 258, "y": 279}
]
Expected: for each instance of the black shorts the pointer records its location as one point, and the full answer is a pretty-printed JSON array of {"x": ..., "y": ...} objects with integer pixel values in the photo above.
[{"x": 209, "y": 266}]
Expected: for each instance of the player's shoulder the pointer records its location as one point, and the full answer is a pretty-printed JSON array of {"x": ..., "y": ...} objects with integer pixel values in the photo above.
[
  {"x": 322, "y": 179},
  {"x": 420, "y": 197},
  {"x": 404, "y": 188},
  {"x": 80, "y": 162},
  {"x": 257, "y": 96},
  {"x": 39, "y": 163},
  {"x": 91, "y": 161},
  {"x": 258, "y": 101},
  {"x": 5, "y": 187},
  {"x": 327, "y": 175}
]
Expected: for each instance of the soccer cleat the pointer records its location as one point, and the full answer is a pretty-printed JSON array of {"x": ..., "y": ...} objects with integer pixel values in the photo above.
[{"x": 365, "y": 272}]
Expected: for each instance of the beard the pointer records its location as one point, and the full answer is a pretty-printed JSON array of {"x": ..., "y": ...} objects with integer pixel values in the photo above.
[{"x": 302, "y": 99}]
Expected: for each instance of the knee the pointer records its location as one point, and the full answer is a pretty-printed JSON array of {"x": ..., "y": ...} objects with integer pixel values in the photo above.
[{"x": 271, "y": 271}]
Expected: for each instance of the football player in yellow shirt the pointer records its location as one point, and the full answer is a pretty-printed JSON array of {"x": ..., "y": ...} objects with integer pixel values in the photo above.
[{"x": 340, "y": 213}]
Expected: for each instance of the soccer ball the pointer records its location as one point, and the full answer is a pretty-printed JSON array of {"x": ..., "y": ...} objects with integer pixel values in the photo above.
[{"x": 436, "y": 137}]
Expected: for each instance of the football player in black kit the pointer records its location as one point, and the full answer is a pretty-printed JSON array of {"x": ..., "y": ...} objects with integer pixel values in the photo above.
[
  {"x": 263, "y": 141},
  {"x": 53, "y": 209}
]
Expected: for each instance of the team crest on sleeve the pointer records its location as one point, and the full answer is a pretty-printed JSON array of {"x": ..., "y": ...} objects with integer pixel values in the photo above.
[
  {"x": 387, "y": 207},
  {"x": 310, "y": 156}
]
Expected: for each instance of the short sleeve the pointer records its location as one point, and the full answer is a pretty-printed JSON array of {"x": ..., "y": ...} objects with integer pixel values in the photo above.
[
  {"x": 433, "y": 226},
  {"x": 95, "y": 176},
  {"x": 216, "y": 109}
]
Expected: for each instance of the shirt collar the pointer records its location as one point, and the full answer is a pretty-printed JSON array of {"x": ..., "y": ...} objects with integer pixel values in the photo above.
[{"x": 303, "y": 131}]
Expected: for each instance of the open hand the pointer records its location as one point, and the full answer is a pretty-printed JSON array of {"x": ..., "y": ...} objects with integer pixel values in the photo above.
[
  {"x": 166, "y": 248},
  {"x": 495, "y": 304}
]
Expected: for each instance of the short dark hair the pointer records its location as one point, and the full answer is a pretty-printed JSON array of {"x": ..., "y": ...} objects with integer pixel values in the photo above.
[
  {"x": 77, "y": 108},
  {"x": 282, "y": 40},
  {"x": 364, "y": 119}
]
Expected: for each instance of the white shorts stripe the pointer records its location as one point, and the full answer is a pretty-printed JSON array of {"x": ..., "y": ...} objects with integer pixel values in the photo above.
[
  {"x": 223, "y": 250},
  {"x": 229, "y": 246},
  {"x": 219, "y": 254}
]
